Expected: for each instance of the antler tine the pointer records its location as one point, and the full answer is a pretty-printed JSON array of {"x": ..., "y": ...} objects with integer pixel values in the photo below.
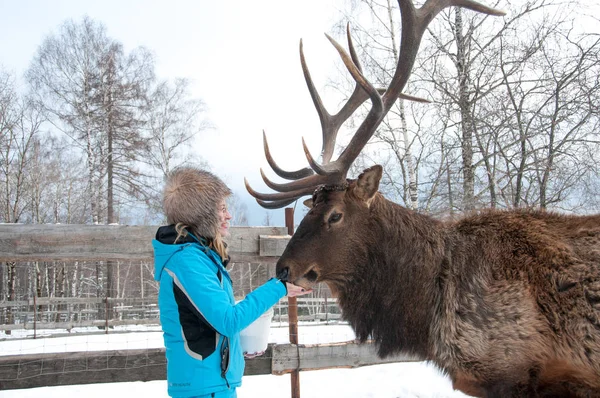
[
  {"x": 314, "y": 165},
  {"x": 478, "y": 7},
  {"x": 303, "y": 183},
  {"x": 290, "y": 195},
  {"x": 373, "y": 118},
  {"x": 276, "y": 204},
  {"x": 330, "y": 124},
  {"x": 288, "y": 175}
]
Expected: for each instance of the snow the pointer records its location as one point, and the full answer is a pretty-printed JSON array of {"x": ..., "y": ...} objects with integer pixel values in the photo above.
[{"x": 409, "y": 379}]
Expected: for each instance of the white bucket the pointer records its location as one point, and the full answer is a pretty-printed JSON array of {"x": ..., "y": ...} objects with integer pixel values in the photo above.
[{"x": 255, "y": 338}]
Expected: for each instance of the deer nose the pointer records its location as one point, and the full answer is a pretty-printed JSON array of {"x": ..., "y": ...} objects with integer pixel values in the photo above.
[{"x": 283, "y": 274}]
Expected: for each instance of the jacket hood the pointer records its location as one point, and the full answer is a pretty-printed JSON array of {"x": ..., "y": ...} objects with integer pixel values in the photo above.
[
  {"x": 167, "y": 234},
  {"x": 165, "y": 247}
]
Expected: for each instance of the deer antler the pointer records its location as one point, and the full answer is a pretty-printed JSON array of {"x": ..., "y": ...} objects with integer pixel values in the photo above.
[{"x": 414, "y": 23}]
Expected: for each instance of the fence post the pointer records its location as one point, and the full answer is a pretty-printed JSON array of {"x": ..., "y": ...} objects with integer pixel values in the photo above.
[
  {"x": 34, "y": 315},
  {"x": 106, "y": 315},
  {"x": 293, "y": 312}
]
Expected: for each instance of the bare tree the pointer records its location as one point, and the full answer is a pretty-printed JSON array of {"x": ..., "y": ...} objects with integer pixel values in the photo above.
[
  {"x": 472, "y": 52},
  {"x": 238, "y": 210},
  {"x": 545, "y": 123},
  {"x": 19, "y": 127},
  {"x": 9, "y": 154},
  {"x": 95, "y": 94},
  {"x": 122, "y": 90},
  {"x": 173, "y": 120},
  {"x": 267, "y": 220},
  {"x": 63, "y": 75},
  {"x": 21, "y": 124},
  {"x": 511, "y": 112}
]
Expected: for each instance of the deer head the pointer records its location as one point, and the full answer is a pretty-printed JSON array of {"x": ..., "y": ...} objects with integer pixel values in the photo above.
[{"x": 340, "y": 205}]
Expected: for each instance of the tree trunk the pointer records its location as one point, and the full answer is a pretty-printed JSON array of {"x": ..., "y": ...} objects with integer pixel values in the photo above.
[
  {"x": 38, "y": 286},
  {"x": 489, "y": 168},
  {"x": 91, "y": 188},
  {"x": 110, "y": 126},
  {"x": 449, "y": 185},
  {"x": 12, "y": 280},
  {"x": 465, "y": 114},
  {"x": 413, "y": 195},
  {"x": 142, "y": 295},
  {"x": 75, "y": 309},
  {"x": 99, "y": 290}
]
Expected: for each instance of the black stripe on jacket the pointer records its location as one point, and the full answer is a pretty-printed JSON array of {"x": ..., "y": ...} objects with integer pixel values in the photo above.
[{"x": 201, "y": 338}]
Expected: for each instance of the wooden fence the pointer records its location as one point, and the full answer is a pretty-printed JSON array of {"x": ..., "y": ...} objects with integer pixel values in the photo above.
[
  {"x": 30, "y": 243},
  {"x": 66, "y": 276}
]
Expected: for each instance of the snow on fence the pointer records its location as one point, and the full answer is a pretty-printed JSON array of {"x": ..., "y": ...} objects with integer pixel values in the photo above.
[{"x": 71, "y": 276}]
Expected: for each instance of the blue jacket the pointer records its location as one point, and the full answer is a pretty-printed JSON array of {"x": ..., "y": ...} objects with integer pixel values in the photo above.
[{"x": 200, "y": 320}]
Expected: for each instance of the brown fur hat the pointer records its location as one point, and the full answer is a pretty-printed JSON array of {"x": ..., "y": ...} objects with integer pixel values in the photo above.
[{"x": 191, "y": 196}]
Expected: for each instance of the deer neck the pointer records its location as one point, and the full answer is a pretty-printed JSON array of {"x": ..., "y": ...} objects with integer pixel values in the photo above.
[{"x": 392, "y": 296}]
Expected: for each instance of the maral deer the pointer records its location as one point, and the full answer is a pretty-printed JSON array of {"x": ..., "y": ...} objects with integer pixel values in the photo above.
[{"x": 507, "y": 303}]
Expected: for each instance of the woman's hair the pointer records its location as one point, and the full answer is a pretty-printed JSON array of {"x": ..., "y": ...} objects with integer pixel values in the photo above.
[{"x": 191, "y": 201}]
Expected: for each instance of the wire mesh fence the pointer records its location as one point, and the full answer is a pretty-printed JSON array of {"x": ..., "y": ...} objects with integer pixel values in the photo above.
[{"x": 69, "y": 294}]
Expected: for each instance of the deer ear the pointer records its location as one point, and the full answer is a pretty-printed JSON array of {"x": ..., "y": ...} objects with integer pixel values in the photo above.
[
  {"x": 367, "y": 183},
  {"x": 308, "y": 203}
]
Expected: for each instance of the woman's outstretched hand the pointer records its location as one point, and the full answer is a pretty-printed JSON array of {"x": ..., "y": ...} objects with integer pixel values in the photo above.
[{"x": 293, "y": 290}]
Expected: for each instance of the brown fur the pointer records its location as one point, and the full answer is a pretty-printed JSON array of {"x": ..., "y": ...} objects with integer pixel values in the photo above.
[{"x": 506, "y": 302}]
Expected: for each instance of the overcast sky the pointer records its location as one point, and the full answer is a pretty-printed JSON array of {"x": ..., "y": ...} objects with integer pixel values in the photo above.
[{"x": 241, "y": 57}]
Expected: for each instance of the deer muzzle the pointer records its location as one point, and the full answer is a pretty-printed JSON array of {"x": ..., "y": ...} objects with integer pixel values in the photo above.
[{"x": 282, "y": 274}]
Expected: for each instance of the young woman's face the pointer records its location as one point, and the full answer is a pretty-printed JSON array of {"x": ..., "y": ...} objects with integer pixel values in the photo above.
[{"x": 224, "y": 218}]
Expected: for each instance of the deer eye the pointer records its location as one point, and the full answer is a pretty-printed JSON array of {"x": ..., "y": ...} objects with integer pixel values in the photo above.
[{"x": 335, "y": 217}]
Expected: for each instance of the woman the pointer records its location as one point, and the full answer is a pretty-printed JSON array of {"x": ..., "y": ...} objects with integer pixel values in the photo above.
[{"x": 200, "y": 319}]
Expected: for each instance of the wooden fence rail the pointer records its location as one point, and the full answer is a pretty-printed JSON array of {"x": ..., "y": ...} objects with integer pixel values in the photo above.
[
  {"x": 33, "y": 242},
  {"x": 37, "y": 370}
]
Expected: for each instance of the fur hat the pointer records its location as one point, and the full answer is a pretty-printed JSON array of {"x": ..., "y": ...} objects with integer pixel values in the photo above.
[{"x": 191, "y": 196}]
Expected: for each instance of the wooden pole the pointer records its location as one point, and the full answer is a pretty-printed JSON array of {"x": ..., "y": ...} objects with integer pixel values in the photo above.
[
  {"x": 34, "y": 316},
  {"x": 293, "y": 312}
]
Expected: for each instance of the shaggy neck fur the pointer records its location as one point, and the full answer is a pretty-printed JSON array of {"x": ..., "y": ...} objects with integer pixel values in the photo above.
[{"x": 391, "y": 296}]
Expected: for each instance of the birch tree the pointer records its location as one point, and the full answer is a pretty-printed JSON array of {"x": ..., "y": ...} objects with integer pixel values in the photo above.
[
  {"x": 19, "y": 130},
  {"x": 13, "y": 146},
  {"x": 174, "y": 119},
  {"x": 554, "y": 105},
  {"x": 95, "y": 94},
  {"x": 462, "y": 67},
  {"x": 63, "y": 74},
  {"x": 513, "y": 113}
]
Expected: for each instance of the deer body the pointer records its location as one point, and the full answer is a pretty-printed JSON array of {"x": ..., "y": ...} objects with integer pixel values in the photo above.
[{"x": 506, "y": 302}]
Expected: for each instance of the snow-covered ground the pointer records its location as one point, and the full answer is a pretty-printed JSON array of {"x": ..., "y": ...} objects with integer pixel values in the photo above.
[
  {"x": 410, "y": 379},
  {"x": 19, "y": 342}
]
